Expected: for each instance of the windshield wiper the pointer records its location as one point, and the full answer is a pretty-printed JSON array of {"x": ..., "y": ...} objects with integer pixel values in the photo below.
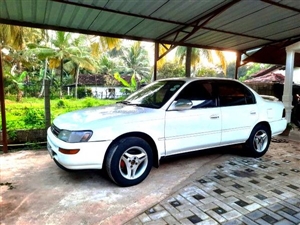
[{"x": 124, "y": 102}]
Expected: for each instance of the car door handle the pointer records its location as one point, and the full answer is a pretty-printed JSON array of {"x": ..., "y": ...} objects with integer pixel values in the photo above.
[
  {"x": 214, "y": 116},
  {"x": 253, "y": 112}
]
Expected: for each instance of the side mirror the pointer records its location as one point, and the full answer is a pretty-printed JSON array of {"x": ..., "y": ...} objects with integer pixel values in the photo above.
[{"x": 183, "y": 104}]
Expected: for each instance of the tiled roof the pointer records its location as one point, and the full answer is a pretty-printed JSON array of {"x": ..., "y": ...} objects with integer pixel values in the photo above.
[
  {"x": 268, "y": 78},
  {"x": 99, "y": 79},
  {"x": 92, "y": 79}
]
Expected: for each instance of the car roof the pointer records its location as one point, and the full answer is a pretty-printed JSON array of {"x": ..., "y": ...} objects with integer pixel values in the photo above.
[{"x": 190, "y": 79}]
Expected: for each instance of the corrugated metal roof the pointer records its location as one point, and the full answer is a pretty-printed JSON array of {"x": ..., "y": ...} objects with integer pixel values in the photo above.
[{"x": 237, "y": 25}]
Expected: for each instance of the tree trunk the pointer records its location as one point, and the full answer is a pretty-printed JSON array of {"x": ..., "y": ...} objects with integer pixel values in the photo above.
[
  {"x": 61, "y": 77},
  {"x": 76, "y": 81},
  {"x": 44, "y": 77}
]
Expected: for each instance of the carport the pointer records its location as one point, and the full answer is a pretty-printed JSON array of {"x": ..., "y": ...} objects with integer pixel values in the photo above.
[{"x": 241, "y": 26}]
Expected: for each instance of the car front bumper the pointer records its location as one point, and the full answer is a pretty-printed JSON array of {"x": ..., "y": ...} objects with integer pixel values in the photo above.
[{"x": 90, "y": 156}]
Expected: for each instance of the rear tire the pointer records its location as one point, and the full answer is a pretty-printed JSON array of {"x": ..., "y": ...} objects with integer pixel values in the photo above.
[
  {"x": 258, "y": 143},
  {"x": 129, "y": 161}
]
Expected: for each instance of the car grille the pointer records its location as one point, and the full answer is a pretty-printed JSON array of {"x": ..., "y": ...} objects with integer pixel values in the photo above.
[{"x": 55, "y": 130}]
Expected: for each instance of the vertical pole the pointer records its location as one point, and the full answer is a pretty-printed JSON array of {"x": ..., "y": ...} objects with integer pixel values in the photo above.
[
  {"x": 156, "y": 55},
  {"x": 47, "y": 104},
  {"x": 2, "y": 101},
  {"x": 287, "y": 97},
  {"x": 188, "y": 61},
  {"x": 237, "y": 64}
]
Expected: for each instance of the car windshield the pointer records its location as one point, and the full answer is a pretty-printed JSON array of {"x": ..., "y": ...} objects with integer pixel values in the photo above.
[{"x": 154, "y": 95}]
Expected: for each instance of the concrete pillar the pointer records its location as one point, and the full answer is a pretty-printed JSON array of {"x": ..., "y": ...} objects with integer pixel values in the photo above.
[{"x": 287, "y": 97}]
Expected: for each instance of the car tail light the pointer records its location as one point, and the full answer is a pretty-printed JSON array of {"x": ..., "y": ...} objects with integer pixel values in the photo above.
[{"x": 69, "y": 151}]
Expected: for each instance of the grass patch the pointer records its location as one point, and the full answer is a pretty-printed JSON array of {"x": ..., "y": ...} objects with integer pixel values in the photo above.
[{"x": 29, "y": 114}]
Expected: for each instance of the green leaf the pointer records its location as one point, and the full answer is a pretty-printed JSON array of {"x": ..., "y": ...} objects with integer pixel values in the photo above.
[{"x": 120, "y": 79}]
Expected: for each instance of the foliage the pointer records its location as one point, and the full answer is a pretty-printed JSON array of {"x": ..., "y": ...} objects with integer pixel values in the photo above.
[
  {"x": 83, "y": 92},
  {"x": 34, "y": 118},
  {"x": 135, "y": 58},
  {"x": 208, "y": 72},
  {"x": 129, "y": 88},
  {"x": 171, "y": 69},
  {"x": 231, "y": 70},
  {"x": 198, "y": 54},
  {"x": 29, "y": 114},
  {"x": 253, "y": 68},
  {"x": 61, "y": 104}
]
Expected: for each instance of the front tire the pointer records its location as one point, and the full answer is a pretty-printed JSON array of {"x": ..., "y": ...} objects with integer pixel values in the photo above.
[
  {"x": 129, "y": 161},
  {"x": 258, "y": 143}
]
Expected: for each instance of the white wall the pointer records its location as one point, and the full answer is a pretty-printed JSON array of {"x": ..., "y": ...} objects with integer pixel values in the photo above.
[{"x": 102, "y": 92}]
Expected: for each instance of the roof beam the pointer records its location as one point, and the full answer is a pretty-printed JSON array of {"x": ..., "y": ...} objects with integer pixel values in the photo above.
[
  {"x": 196, "y": 26},
  {"x": 195, "y": 23},
  {"x": 118, "y": 12},
  {"x": 281, "y": 5}
]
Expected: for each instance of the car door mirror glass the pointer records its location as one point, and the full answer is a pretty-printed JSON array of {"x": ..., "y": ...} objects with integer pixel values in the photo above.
[{"x": 181, "y": 104}]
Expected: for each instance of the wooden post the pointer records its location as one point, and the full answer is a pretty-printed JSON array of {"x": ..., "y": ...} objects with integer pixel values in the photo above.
[
  {"x": 156, "y": 55},
  {"x": 47, "y": 104},
  {"x": 188, "y": 60},
  {"x": 2, "y": 101},
  {"x": 237, "y": 64}
]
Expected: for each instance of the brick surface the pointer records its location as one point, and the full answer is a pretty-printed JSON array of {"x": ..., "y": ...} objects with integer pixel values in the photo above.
[{"x": 240, "y": 191}]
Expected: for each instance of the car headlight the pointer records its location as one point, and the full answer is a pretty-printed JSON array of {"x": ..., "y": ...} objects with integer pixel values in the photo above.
[{"x": 74, "y": 136}]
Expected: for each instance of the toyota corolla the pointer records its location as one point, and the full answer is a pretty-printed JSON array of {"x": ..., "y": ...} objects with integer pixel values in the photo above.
[{"x": 166, "y": 117}]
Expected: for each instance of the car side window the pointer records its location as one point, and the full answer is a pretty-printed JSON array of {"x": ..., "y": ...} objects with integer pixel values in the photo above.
[
  {"x": 233, "y": 94},
  {"x": 200, "y": 93}
]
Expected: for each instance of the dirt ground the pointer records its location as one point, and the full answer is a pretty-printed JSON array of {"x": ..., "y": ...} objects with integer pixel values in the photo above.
[{"x": 35, "y": 191}]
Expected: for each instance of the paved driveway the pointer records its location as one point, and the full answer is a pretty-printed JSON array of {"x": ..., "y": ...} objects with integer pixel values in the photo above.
[
  {"x": 238, "y": 191},
  {"x": 35, "y": 191}
]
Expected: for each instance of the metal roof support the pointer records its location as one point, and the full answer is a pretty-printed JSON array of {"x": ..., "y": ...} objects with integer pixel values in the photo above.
[
  {"x": 2, "y": 101},
  {"x": 156, "y": 58},
  {"x": 188, "y": 61},
  {"x": 287, "y": 97},
  {"x": 237, "y": 64}
]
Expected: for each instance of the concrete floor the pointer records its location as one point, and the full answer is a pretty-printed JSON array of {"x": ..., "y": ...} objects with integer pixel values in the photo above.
[{"x": 35, "y": 191}]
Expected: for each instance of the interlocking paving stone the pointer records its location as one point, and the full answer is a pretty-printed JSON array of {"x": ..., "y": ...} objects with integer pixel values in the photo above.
[
  {"x": 241, "y": 203},
  {"x": 261, "y": 197},
  {"x": 269, "y": 219},
  {"x": 194, "y": 219},
  {"x": 240, "y": 191},
  {"x": 288, "y": 216}
]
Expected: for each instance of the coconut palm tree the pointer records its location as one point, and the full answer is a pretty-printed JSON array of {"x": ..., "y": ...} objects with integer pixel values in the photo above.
[
  {"x": 136, "y": 58},
  {"x": 67, "y": 51},
  {"x": 14, "y": 39},
  {"x": 196, "y": 54}
]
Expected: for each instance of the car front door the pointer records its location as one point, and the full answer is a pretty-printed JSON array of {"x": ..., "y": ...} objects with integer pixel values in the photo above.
[{"x": 195, "y": 127}]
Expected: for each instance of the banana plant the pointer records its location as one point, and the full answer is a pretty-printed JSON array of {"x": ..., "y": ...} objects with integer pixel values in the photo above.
[{"x": 129, "y": 88}]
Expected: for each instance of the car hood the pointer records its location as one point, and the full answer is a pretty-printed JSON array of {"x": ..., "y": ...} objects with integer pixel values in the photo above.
[{"x": 94, "y": 117}]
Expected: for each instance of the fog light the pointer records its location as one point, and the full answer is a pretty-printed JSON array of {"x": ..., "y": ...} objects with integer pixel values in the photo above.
[{"x": 69, "y": 151}]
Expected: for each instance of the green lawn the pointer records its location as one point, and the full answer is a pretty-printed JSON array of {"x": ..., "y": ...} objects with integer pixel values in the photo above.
[{"x": 29, "y": 114}]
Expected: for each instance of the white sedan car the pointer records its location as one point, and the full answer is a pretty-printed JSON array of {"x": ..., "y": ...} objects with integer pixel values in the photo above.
[{"x": 164, "y": 118}]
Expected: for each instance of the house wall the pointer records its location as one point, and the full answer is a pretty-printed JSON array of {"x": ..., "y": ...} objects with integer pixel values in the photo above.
[{"x": 107, "y": 92}]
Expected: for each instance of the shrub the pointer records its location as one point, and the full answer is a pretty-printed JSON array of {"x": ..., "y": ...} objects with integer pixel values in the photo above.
[
  {"x": 34, "y": 118},
  {"x": 61, "y": 104}
]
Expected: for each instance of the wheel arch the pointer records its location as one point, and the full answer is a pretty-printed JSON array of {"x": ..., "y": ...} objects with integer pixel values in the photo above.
[
  {"x": 265, "y": 123},
  {"x": 143, "y": 136}
]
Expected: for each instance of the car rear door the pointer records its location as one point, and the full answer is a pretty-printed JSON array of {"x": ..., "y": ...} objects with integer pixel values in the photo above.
[
  {"x": 197, "y": 127},
  {"x": 239, "y": 111}
]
